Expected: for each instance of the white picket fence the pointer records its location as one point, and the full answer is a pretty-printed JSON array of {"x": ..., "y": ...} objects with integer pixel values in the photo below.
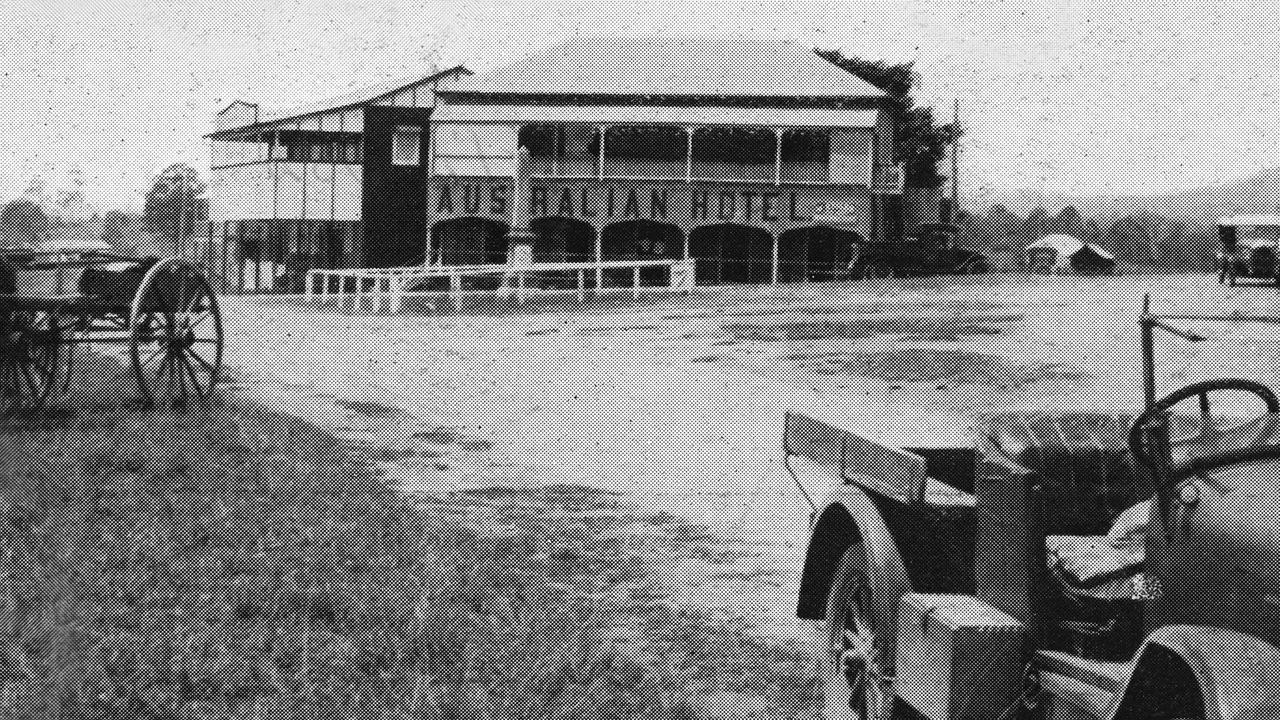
[{"x": 376, "y": 288}]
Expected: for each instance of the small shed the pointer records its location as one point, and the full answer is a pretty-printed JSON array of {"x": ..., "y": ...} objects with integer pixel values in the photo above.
[{"x": 1065, "y": 253}]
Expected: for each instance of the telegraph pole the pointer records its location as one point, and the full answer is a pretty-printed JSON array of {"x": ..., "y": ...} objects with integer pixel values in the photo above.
[{"x": 955, "y": 163}]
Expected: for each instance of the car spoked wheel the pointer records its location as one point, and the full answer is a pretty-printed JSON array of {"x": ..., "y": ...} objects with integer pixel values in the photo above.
[{"x": 853, "y": 638}]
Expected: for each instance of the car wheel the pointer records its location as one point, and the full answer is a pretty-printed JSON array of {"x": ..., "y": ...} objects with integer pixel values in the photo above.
[{"x": 855, "y": 639}]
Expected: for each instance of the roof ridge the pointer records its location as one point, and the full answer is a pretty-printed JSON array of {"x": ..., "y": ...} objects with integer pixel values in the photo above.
[{"x": 724, "y": 64}]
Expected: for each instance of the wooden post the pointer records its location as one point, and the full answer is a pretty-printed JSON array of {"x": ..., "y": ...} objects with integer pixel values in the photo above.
[
  {"x": 581, "y": 286},
  {"x": 604, "y": 130},
  {"x": 455, "y": 289},
  {"x": 635, "y": 283},
  {"x": 777, "y": 157},
  {"x": 306, "y": 286},
  {"x": 688, "y": 154},
  {"x": 599, "y": 270},
  {"x": 773, "y": 271},
  {"x": 397, "y": 295}
]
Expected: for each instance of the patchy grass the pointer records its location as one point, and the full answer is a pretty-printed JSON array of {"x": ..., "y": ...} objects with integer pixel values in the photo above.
[
  {"x": 229, "y": 562},
  {"x": 453, "y": 436},
  {"x": 615, "y": 330},
  {"x": 931, "y": 365},
  {"x": 368, "y": 409},
  {"x": 862, "y": 328}
]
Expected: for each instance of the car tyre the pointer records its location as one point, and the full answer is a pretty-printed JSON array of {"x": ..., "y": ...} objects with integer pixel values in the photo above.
[{"x": 854, "y": 640}]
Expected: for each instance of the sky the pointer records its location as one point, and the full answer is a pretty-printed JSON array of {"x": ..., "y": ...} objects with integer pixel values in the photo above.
[{"x": 1060, "y": 97}]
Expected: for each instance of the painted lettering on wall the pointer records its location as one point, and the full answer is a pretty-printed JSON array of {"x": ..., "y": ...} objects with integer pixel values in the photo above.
[
  {"x": 473, "y": 200},
  {"x": 636, "y": 202}
]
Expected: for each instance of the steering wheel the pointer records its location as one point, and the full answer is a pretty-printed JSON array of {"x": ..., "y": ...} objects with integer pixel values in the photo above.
[
  {"x": 1208, "y": 463},
  {"x": 1201, "y": 390}
]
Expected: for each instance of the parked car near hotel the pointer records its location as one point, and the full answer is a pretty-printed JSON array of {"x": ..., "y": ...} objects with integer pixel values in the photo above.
[{"x": 932, "y": 250}]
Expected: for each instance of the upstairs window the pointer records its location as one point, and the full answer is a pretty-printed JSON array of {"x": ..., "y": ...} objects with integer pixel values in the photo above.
[{"x": 406, "y": 145}]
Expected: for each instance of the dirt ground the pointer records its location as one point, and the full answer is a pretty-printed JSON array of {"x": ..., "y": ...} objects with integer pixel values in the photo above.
[{"x": 678, "y": 402}]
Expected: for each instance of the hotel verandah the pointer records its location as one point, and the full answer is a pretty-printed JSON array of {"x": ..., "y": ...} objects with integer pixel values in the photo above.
[{"x": 757, "y": 158}]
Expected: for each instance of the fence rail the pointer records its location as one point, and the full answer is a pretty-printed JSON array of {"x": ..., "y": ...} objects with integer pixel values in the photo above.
[{"x": 389, "y": 287}]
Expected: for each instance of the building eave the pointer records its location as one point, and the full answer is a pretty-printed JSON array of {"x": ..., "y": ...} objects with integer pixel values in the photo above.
[{"x": 262, "y": 125}]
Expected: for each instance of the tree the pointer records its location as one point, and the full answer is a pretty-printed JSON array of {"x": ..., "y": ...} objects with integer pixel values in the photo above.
[
  {"x": 1035, "y": 226},
  {"x": 174, "y": 206},
  {"x": 23, "y": 224},
  {"x": 1129, "y": 239},
  {"x": 920, "y": 142},
  {"x": 1067, "y": 222},
  {"x": 1092, "y": 233},
  {"x": 118, "y": 228}
]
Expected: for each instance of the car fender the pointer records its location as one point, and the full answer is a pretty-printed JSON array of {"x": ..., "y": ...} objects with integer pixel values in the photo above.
[
  {"x": 845, "y": 514},
  {"x": 1238, "y": 674}
]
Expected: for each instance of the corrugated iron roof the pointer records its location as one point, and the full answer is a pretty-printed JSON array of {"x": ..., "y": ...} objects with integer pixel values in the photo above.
[
  {"x": 695, "y": 65},
  {"x": 656, "y": 115},
  {"x": 360, "y": 96},
  {"x": 1068, "y": 245}
]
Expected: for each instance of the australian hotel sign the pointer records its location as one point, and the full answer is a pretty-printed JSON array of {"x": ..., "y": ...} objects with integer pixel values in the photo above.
[{"x": 683, "y": 204}]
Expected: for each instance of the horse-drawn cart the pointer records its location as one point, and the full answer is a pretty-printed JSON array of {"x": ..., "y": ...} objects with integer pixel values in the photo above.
[{"x": 163, "y": 312}]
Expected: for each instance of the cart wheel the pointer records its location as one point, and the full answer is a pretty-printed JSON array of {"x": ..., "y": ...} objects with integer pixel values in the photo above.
[
  {"x": 35, "y": 362},
  {"x": 853, "y": 639},
  {"x": 175, "y": 334}
]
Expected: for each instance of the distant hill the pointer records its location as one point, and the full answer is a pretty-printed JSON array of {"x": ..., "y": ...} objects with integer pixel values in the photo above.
[{"x": 1258, "y": 193}]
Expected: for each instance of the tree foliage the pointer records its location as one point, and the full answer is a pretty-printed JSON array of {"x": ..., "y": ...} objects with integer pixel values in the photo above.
[
  {"x": 920, "y": 141},
  {"x": 1067, "y": 222},
  {"x": 174, "y": 206},
  {"x": 23, "y": 224}
]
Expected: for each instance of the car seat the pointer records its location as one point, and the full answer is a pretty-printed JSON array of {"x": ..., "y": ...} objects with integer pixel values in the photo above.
[{"x": 1058, "y": 481}]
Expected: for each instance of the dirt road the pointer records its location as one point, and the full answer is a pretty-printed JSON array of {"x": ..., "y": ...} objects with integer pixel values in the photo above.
[{"x": 680, "y": 402}]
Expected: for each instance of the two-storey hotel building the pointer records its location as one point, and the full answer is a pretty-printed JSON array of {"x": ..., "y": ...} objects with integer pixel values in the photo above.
[{"x": 758, "y": 158}]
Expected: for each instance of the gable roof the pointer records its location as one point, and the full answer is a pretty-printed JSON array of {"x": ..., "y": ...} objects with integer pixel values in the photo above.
[
  {"x": 1068, "y": 245},
  {"x": 692, "y": 65},
  {"x": 360, "y": 96}
]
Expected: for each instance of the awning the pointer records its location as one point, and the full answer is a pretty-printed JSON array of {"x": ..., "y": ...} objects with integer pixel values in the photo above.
[{"x": 659, "y": 115}]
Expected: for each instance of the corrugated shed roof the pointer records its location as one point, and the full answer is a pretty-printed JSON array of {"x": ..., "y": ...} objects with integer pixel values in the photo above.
[
  {"x": 696, "y": 65},
  {"x": 360, "y": 96},
  {"x": 657, "y": 115},
  {"x": 1064, "y": 244},
  {"x": 1068, "y": 245}
]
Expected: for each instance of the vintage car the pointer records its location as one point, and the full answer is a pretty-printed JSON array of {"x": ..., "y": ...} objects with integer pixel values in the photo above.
[
  {"x": 1066, "y": 565},
  {"x": 1247, "y": 248},
  {"x": 930, "y": 250}
]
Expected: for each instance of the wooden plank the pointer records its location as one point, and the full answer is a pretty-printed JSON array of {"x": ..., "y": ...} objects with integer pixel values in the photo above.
[{"x": 857, "y": 459}]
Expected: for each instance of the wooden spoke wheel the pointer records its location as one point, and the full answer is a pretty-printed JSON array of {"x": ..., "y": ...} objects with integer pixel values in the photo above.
[
  {"x": 855, "y": 638},
  {"x": 35, "y": 362},
  {"x": 175, "y": 334}
]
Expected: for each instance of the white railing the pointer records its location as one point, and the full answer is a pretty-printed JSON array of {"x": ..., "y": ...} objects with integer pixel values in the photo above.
[{"x": 379, "y": 287}]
